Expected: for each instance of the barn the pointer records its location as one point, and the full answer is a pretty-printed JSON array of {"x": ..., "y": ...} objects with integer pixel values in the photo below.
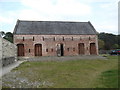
[{"x": 55, "y": 38}]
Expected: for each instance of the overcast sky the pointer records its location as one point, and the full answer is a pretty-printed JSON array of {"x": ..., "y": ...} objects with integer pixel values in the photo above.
[{"x": 103, "y": 14}]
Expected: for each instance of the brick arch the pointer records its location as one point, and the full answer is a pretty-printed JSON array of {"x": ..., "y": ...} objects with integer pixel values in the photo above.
[
  {"x": 20, "y": 49},
  {"x": 38, "y": 49}
]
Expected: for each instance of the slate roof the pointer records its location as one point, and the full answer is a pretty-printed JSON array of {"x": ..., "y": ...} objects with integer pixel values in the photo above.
[{"x": 53, "y": 28}]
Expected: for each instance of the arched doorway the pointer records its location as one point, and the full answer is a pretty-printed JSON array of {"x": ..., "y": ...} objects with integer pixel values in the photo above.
[
  {"x": 38, "y": 49},
  {"x": 92, "y": 49},
  {"x": 60, "y": 50},
  {"x": 20, "y": 49},
  {"x": 81, "y": 49}
]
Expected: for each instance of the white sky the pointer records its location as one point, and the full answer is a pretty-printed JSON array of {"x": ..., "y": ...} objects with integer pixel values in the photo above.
[{"x": 103, "y": 14}]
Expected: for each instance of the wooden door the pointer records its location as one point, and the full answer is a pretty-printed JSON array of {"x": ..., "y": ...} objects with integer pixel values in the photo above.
[
  {"x": 81, "y": 49},
  {"x": 20, "y": 49},
  {"x": 38, "y": 50},
  {"x": 92, "y": 49}
]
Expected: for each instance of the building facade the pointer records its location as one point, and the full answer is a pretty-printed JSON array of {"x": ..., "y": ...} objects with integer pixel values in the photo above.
[{"x": 55, "y": 38}]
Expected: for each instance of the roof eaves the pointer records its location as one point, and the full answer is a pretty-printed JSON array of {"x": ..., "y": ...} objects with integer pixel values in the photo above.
[
  {"x": 16, "y": 26},
  {"x": 93, "y": 27}
]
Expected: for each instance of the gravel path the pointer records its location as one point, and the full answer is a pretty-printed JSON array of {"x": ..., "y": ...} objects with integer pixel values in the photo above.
[
  {"x": 14, "y": 80},
  {"x": 8, "y": 68},
  {"x": 65, "y": 58}
]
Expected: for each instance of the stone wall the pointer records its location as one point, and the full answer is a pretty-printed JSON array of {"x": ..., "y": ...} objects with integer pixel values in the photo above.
[
  {"x": 8, "y": 52},
  {"x": 49, "y": 43},
  {"x": 0, "y": 54}
]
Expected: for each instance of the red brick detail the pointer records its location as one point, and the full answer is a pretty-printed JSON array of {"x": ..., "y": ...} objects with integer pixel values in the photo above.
[{"x": 50, "y": 42}]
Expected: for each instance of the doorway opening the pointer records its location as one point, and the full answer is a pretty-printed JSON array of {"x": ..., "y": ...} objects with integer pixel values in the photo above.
[
  {"x": 60, "y": 50},
  {"x": 92, "y": 49},
  {"x": 81, "y": 49},
  {"x": 38, "y": 49},
  {"x": 20, "y": 49}
]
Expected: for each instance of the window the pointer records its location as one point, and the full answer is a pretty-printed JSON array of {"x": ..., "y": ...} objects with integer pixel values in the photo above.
[
  {"x": 73, "y": 49},
  {"x": 52, "y": 50},
  {"x": 63, "y": 39},
  {"x": 89, "y": 38},
  {"x": 29, "y": 50},
  {"x": 72, "y": 38},
  {"x": 87, "y": 48},
  {"x": 43, "y": 38},
  {"x": 54, "y": 39},
  {"x": 33, "y": 38},
  {"x": 80, "y": 38},
  {"x": 68, "y": 49},
  {"x": 46, "y": 50},
  {"x": 23, "y": 38}
]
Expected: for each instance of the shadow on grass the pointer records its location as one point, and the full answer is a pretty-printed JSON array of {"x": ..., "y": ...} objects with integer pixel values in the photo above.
[{"x": 109, "y": 78}]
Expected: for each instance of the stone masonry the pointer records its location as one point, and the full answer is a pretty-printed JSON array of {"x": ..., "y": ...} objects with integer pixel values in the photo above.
[{"x": 8, "y": 52}]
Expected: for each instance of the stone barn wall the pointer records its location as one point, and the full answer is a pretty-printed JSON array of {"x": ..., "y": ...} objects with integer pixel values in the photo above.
[
  {"x": 49, "y": 44},
  {"x": 8, "y": 52}
]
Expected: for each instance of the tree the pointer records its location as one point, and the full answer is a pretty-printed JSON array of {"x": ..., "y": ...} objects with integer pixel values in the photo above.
[
  {"x": 101, "y": 44},
  {"x": 9, "y": 36},
  {"x": 115, "y": 46},
  {"x": 109, "y": 40},
  {"x": 118, "y": 37},
  {"x": 2, "y": 33}
]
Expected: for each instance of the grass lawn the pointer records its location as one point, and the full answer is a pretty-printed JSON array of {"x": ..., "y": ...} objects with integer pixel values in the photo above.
[{"x": 68, "y": 74}]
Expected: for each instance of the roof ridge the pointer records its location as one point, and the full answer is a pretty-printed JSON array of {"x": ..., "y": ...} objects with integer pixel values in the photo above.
[{"x": 52, "y": 21}]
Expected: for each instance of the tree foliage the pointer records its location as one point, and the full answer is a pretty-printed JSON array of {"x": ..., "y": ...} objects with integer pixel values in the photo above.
[
  {"x": 111, "y": 41},
  {"x": 101, "y": 44},
  {"x": 8, "y": 36},
  {"x": 2, "y": 33}
]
